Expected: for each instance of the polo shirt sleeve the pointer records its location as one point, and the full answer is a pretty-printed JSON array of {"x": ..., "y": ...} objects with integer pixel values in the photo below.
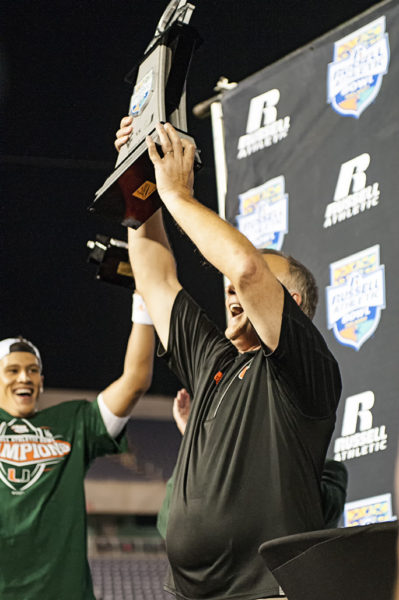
[
  {"x": 304, "y": 364},
  {"x": 193, "y": 338}
]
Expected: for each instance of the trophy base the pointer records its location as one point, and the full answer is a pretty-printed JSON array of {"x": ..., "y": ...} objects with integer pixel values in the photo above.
[{"x": 129, "y": 195}]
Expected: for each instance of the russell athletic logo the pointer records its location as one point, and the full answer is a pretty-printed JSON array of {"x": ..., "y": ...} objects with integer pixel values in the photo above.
[
  {"x": 359, "y": 436},
  {"x": 264, "y": 128},
  {"x": 26, "y": 452},
  {"x": 377, "y": 509},
  {"x": 360, "y": 61},
  {"x": 356, "y": 297},
  {"x": 263, "y": 216},
  {"x": 352, "y": 194}
]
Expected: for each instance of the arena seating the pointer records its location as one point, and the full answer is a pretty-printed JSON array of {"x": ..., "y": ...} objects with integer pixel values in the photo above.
[
  {"x": 139, "y": 577},
  {"x": 127, "y": 557}
]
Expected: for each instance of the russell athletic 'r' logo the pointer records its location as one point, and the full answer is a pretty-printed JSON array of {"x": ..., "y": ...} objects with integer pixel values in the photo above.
[
  {"x": 353, "y": 195},
  {"x": 359, "y": 435},
  {"x": 264, "y": 128}
]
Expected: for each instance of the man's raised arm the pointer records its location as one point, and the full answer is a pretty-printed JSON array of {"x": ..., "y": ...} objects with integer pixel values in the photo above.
[{"x": 260, "y": 293}]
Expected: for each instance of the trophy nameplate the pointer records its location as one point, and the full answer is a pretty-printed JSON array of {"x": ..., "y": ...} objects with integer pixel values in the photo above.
[{"x": 129, "y": 194}]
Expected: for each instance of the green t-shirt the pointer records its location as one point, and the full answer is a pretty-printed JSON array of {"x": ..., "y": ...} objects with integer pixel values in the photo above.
[{"x": 43, "y": 462}]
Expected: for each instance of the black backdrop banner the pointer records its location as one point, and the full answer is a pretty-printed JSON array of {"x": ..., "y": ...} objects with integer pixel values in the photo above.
[{"x": 312, "y": 150}]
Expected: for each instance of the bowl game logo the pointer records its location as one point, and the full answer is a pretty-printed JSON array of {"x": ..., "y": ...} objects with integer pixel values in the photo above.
[
  {"x": 360, "y": 61},
  {"x": 377, "y": 509},
  {"x": 26, "y": 452},
  {"x": 141, "y": 95},
  {"x": 355, "y": 297},
  {"x": 263, "y": 216}
]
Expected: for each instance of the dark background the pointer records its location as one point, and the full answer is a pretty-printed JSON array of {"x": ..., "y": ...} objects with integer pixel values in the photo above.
[{"x": 62, "y": 95}]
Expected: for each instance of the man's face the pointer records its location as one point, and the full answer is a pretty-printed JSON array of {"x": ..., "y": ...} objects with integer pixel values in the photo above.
[
  {"x": 239, "y": 329},
  {"x": 20, "y": 383}
]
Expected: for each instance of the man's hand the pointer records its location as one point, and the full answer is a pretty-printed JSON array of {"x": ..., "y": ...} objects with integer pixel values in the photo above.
[
  {"x": 174, "y": 171},
  {"x": 181, "y": 409}
]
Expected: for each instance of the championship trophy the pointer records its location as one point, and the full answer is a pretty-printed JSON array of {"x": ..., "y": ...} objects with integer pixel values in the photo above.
[{"x": 129, "y": 194}]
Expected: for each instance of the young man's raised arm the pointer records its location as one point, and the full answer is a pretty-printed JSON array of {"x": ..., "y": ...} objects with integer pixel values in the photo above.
[
  {"x": 152, "y": 260},
  {"x": 154, "y": 271},
  {"x": 222, "y": 245},
  {"x": 121, "y": 396}
]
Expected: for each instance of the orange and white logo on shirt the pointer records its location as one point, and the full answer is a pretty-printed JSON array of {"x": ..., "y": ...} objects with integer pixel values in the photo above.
[
  {"x": 26, "y": 452},
  {"x": 242, "y": 373}
]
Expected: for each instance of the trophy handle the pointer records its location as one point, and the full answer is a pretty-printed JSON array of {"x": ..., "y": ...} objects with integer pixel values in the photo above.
[{"x": 177, "y": 10}]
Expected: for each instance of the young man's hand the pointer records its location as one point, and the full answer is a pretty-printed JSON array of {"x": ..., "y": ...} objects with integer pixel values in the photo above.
[
  {"x": 123, "y": 133},
  {"x": 181, "y": 409}
]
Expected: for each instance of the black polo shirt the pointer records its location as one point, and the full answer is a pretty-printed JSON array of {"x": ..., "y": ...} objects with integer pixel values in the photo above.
[{"x": 251, "y": 458}]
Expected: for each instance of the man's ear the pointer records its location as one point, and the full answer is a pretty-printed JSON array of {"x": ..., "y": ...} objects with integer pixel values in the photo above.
[
  {"x": 41, "y": 384},
  {"x": 297, "y": 297}
]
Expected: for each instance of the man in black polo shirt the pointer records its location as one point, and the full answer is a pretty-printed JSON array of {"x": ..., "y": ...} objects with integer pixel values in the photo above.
[{"x": 264, "y": 394}]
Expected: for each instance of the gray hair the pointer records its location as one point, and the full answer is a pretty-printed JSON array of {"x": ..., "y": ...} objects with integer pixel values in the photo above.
[{"x": 301, "y": 280}]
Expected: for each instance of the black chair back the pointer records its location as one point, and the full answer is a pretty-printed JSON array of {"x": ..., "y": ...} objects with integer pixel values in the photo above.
[{"x": 353, "y": 563}]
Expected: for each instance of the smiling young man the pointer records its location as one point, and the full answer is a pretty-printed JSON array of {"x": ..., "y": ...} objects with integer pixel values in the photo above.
[
  {"x": 264, "y": 395},
  {"x": 21, "y": 380},
  {"x": 44, "y": 456}
]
